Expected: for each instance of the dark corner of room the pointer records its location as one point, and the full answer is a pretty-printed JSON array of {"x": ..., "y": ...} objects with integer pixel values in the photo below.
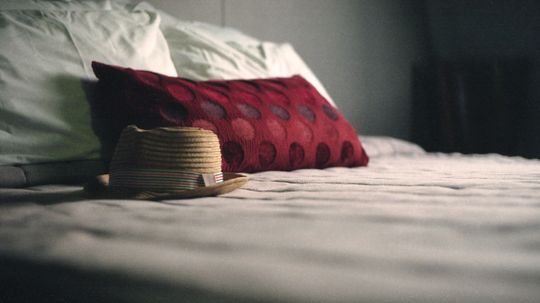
[{"x": 477, "y": 88}]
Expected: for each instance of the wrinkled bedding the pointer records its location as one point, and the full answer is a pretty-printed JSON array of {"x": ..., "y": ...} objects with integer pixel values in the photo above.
[{"x": 411, "y": 227}]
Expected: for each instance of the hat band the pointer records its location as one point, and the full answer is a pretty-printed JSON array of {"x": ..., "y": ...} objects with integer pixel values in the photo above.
[{"x": 162, "y": 179}]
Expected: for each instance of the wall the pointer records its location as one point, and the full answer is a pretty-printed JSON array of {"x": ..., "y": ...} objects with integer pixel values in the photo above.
[
  {"x": 492, "y": 28},
  {"x": 361, "y": 50}
]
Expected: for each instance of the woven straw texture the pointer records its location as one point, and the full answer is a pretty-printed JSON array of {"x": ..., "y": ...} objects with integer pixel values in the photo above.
[
  {"x": 169, "y": 150},
  {"x": 181, "y": 148}
]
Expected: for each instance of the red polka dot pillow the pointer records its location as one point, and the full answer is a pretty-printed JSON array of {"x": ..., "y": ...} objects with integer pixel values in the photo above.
[{"x": 262, "y": 124}]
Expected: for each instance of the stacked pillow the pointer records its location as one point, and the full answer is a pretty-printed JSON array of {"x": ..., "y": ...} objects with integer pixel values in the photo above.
[
  {"x": 47, "y": 83},
  {"x": 200, "y": 55},
  {"x": 262, "y": 124},
  {"x": 46, "y": 77},
  {"x": 45, "y": 68},
  {"x": 202, "y": 51}
]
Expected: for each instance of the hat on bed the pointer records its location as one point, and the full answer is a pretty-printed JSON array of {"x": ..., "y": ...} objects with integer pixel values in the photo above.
[{"x": 165, "y": 163}]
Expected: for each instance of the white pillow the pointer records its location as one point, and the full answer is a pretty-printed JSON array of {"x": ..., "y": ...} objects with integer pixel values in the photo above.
[
  {"x": 200, "y": 54},
  {"x": 282, "y": 60},
  {"x": 55, "y": 4},
  {"x": 225, "y": 33},
  {"x": 202, "y": 51},
  {"x": 44, "y": 112}
]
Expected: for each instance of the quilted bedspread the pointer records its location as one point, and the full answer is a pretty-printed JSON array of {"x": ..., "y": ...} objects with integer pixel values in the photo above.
[{"x": 408, "y": 228}]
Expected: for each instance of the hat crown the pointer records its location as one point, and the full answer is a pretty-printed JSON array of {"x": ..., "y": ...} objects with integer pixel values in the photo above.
[
  {"x": 172, "y": 148},
  {"x": 166, "y": 162}
]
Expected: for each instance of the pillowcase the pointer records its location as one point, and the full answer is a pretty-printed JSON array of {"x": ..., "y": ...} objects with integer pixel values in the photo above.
[
  {"x": 202, "y": 51},
  {"x": 45, "y": 76},
  {"x": 200, "y": 55},
  {"x": 262, "y": 124},
  {"x": 224, "y": 33}
]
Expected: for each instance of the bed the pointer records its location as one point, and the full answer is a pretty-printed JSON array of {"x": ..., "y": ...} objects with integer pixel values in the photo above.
[{"x": 411, "y": 226}]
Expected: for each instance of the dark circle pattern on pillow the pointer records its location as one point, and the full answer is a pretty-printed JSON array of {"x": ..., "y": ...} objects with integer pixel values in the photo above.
[
  {"x": 267, "y": 153},
  {"x": 323, "y": 154},
  {"x": 347, "y": 152},
  {"x": 306, "y": 112},
  {"x": 249, "y": 111},
  {"x": 213, "y": 109},
  {"x": 330, "y": 112},
  {"x": 296, "y": 155},
  {"x": 279, "y": 111},
  {"x": 233, "y": 153},
  {"x": 173, "y": 112},
  {"x": 262, "y": 124}
]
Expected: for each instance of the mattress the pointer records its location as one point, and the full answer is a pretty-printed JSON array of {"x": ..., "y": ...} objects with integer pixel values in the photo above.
[{"x": 411, "y": 227}]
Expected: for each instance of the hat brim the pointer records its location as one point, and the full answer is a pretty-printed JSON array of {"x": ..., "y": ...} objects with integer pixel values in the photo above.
[{"x": 99, "y": 188}]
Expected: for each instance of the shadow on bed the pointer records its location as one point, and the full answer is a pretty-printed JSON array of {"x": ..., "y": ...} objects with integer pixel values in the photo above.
[
  {"x": 22, "y": 280},
  {"x": 42, "y": 197}
]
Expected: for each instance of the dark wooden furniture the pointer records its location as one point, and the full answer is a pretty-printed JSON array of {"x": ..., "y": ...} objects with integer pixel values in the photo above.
[{"x": 471, "y": 105}]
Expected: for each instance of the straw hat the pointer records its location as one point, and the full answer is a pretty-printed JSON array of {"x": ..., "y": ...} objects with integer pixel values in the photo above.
[{"x": 165, "y": 163}]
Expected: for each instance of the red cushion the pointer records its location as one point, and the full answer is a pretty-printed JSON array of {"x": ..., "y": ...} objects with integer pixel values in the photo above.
[{"x": 262, "y": 124}]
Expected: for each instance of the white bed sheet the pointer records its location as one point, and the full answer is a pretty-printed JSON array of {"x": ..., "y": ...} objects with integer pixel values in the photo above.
[{"x": 409, "y": 228}]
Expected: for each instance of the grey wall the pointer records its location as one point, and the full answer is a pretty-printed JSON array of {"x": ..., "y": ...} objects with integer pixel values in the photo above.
[{"x": 361, "y": 50}]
